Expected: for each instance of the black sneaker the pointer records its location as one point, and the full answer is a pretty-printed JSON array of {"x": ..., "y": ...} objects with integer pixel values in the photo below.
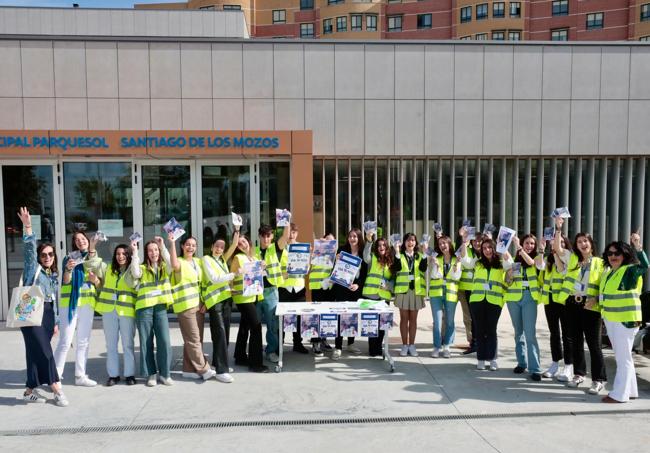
[
  {"x": 259, "y": 369},
  {"x": 318, "y": 352},
  {"x": 130, "y": 380},
  {"x": 469, "y": 351},
  {"x": 536, "y": 377},
  {"x": 112, "y": 381},
  {"x": 519, "y": 369},
  {"x": 325, "y": 346},
  {"x": 299, "y": 347}
]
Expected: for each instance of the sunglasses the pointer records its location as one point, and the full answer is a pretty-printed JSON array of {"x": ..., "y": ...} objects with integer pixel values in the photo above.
[
  {"x": 613, "y": 253},
  {"x": 47, "y": 255}
]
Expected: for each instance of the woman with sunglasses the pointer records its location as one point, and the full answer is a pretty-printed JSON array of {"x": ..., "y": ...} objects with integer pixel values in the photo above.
[
  {"x": 41, "y": 367},
  {"x": 620, "y": 288}
]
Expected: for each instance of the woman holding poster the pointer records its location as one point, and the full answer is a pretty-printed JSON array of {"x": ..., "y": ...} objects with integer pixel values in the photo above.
[{"x": 378, "y": 284}]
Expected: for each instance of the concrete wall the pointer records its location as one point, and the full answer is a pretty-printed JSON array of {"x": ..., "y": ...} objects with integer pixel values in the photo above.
[{"x": 358, "y": 98}]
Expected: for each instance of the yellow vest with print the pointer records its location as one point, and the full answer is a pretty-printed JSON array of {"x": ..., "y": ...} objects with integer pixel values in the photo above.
[
  {"x": 452, "y": 286},
  {"x": 187, "y": 291},
  {"x": 467, "y": 275},
  {"x": 317, "y": 274},
  {"x": 515, "y": 291},
  {"x": 553, "y": 281},
  {"x": 378, "y": 281},
  {"x": 273, "y": 269},
  {"x": 116, "y": 295},
  {"x": 494, "y": 280},
  {"x": 238, "y": 283},
  {"x": 214, "y": 293},
  {"x": 153, "y": 289},
  {"x": 87, "y": 294},
  {"x": 619, "y": 305},
  {"x": 290, "y": 281},
  {"x": 403, "y": 279},
  {"x": 596, "y": 269}
]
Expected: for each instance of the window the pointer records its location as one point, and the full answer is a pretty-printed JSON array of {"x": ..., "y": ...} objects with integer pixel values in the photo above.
[
  {"x": 207, "y": 7},
  {"x": 356, "y": 22},
  {"x": 306, "y": 4},
  {"x": 306, "y": 30},
  {"x": 481, "y": 36},
  {"x": 561, "y": 8},
  {"x": 515, "y": 9},
  {"x": 465, "y": 14},
  {"x": 560, "y": 34},
  {"x": 424, "y": 20},
  {"x": 334, "y": 2},
  {"x": 499, "y": 9},
  {"x": 498, "y": 36},
  {"x": 481, "y": 11},
  {"x": 595, "y": 20},
  {"x": 232, "y": 7},
  {"x": 514, "y": 35},
  {"x": 327, "y": 26},
  {"x": 645, "y": 12},
  {"x": 371, "y": 22},
  {"x": 466, "y": 38},
  {"x": 644, "y": 38},
  {"x": 394, "y": 23},
  {"x": 279, "y": 16},
  {"x": 342, "y": 23}
]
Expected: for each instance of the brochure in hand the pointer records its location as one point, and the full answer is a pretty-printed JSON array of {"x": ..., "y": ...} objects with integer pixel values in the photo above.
[
  {"x": 298, "y": 259},
  {"x": 135, "y": 237},
  {"x": 253, "y": 278},
  {"x": 173, "y": 227},
  {"x": 282, "y": 217},
  {"x": 324, "y": 253},
  {"x": 346, "y": 269},
  {"x": 504, "y": 239},
  {"x": 549, "y": 233},
  {"x": 370, "y": 227},
  {"x": 236, "y": 219},
  {"x": 561, "y": 212}
]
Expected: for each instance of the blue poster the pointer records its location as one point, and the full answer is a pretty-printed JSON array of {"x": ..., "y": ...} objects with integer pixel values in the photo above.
[
  {"x": 369, "y": 324},
  {"x": 298, "y": 259},
  {"x": 329, "y": 325},
  {"x": 346, "y": 269}
]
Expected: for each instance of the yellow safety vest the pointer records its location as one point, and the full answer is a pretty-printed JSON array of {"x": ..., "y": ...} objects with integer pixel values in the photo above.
[
  {"x": 616, "y": 304},
  {"x": 214, "y": 293},
  {"x": 187, "y": 291},
  {"x": 273, "y": 269},
  {"x": 238, "y": 283},
  {"x": 553, "y": 283},
  {"x": 378, "y": 281},
  {"x": 290, "y": 281},
  {"x": 515, "y": 292},
  {"x": 494, "y": 280},
  {"x": 403, "y": 277},
  {"x": 467, "y": 275},
  {"x": 451, "y": 286},
  {"x": 153, "y": 289},
  {"x": 87, "y": 293},
  {"x": 596, "y": 269},
  {"x": 317, "y": 274},
  {"x": 116, "y": 295}
]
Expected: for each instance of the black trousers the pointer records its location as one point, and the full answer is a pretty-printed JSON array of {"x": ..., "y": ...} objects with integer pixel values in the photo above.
[
  {"x": 472, "y": 345},
  {"x": 249, "y": 324},
  {"x": 227, "y": 314},
  {"x": 586, "y": 325},
  {"x": 485, "y": 316},
  {"x": 219, "y": 339},
  {"x": 290, "y": 296},
  {"x": 559, "y": 329},
  {"x": 40, "y": 365}
]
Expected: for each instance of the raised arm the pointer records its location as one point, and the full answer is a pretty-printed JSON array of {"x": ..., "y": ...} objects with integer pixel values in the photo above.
[
  {"x": 284, "y": 239},
  {"x": 30, "y": 261},
  {"x": 233, "y": 245}
]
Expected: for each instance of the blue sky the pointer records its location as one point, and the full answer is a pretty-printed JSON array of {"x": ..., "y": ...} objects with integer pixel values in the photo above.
[{"x": 82, "y": 3}]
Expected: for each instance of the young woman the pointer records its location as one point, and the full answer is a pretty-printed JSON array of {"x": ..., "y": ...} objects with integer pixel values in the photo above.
[
  {"x": 77, "y": 306},
  {"x": 444, "y": 274},
  {"x": 620, "y": 287},
  {"x": 186, "y": 292},
  {"x": 116, "y": 304},
  {"x": 154, "y": 295},
  {"x": 321, "y": 291},
  {"x": 218, "y": 300},
  {"x": 472, "y": 255},
  {"x": 410, "y": 290},
  {"x": 354, "y": 245},
  {"x": 582, "y": 281},
  {"x": 40, "y": 268},
  {"x": 522, "y": 295},
  {"x": 486, "y": 303},
  {"x": 378, "y": 284},
  {"x": 250, "y": 322}
]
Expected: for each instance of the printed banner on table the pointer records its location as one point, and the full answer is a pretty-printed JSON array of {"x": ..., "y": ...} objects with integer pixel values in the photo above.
[
  {"x": 349, "y": 324},
  {"x": 298, "y": 259},
  {"x": 309, "y": 325},
  {"x": 328, "y": 325},
  {"x": 253, "y": 278},
  {"x": 324, "y": 253},
  {"x": 289, "y": 323},
  {"x": 385, "y": 321},
  {"x": 345, "y": 270},
  {"x": 369, "y": 324}
]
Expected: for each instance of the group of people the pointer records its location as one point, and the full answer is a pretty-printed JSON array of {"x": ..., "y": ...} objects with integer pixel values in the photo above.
[{"x": 576, "y": 287}]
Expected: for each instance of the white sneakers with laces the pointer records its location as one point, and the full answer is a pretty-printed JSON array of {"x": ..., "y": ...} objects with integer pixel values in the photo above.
[
  {"x": 552, "y": 370},
  {"x": 34, "y": 397},
  {"x": 209, "y": 374},
  {"x": 336, "y": 354},
  {"x": 404, "y": 351},
  {"x": 84, "y": 381},
  {"x": 225, "y": 378},
  {"x": 152, "y": 380},
  {"x": 60, "y": 399},
  {"x": 480, "y": 365},
  {"x": 596, "y": 387},
  {"x": 435, "y": 353},
  {"x": 566, "y": 374},
  {"x": 576, "y": 381},
  {"x": 166, "y": 380},
  {"x": 446, "y": 353},
  {"x": 412, "y": 351},
  {"x": 493, "y": 365}
]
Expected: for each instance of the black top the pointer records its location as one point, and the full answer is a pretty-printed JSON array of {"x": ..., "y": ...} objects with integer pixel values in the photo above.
[{"x": 341, "y": 293}]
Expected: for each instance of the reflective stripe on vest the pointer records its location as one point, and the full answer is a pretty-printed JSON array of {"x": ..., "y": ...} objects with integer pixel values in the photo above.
[
  {"x": 316, "y": 276},
  {"x": 87, "y": 294},
  {"x": 515, "y": 292},
  {"x": 494, "y": 295},
  {"x": 187, "y": 291},
  {"x": 619, "y": 305},
  {"x": 467, "y": 275},
  {"x": 402, "y": 280},
  {"x": 116, "y": 295},
  {"x": 451, "y": 286},
  {"x": 238, "y": 283},
  {"x": 572, "y": 277},
  {"x": 291, "y": 281},
  {"x": 214, "y": 293},
  {"x": 150, "y": 293},
  {"x": 377, "y": 275},
  {"x": 273, "y": 270}
]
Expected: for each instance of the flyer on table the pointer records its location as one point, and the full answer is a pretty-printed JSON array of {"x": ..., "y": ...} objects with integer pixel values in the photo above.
[
  {"x": 369, "y": 324},
  {"x": 309, "y": 325},
  {"x": 328, "y": 325}
]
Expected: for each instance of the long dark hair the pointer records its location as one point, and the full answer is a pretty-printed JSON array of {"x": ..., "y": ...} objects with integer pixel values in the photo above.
[
  {"x": 566, "y": 243},
  {"x": 629, "y": 256},
  {"x": 39, "y": 249},
  {"x": 361, "y": 243},
  {"x": 591, "y": 241},
  {"x": 238, "y": 250},
  {"x": 146, "y": 255},
  {"x": 115, "y": 268},
  {"x": 406, "y": 237},
  {"x": 447, "y": 239},
  {"x": 518, "y": 258},
  {"x": 387, "y": 258},
  {"x": 74, "y": 243},
  {"x": 495, "y": 261},
  {"x": 185, "y": 239}
]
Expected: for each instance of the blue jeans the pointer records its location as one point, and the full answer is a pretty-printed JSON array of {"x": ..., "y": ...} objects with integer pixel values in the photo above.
[
  {"x": 116, "y": 328},
  {"x": 266, "y": 313},
  {"x": 152, "y": 321},
  {"x": 524, "y": 318},
  {"x": 438, "y": 305}
]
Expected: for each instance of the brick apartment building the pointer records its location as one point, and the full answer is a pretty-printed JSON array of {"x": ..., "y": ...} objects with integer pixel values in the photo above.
[{"x": 539, "y": 20}]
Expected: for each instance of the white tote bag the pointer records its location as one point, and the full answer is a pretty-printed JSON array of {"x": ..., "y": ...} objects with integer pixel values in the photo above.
[{"x": 26, "y": 309}]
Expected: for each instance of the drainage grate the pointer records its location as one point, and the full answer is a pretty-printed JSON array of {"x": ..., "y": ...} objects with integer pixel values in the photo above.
[{"x": 316, "y": 422}]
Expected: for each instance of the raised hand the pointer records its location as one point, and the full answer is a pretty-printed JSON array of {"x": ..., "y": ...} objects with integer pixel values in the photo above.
[{"x": 25, "y": 217}]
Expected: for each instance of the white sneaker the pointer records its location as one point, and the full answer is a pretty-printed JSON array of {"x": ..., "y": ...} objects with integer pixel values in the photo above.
[
  {"x": 493, "y": 365},
  {"x": 576, "y": 381},
  {"x": 446, "y": 353},
  {"x": 566, "y": 375},
  {"x": 336, "y": 354},
  {"x": 435, "y": 353},
  {"x": 60, "y": 399},
  {"x": 273, "y": 357},
  {"x": 225, "y": 378},
  {"x": 552, "y": 370},
  {"x": 209, "y": 374},
  {"x": 151, "y": 380},
  {"x": 84, "y": 381},
  {"x": 190, "y": 375},
  {"x": 480, "y": 365},
  {"x": 352, "y": 349},
  {"x": 166, "y": 380},
  {"x": 596, "y": 387},
  {"x": 412, "y": 351},
  {"x": 404, "y": 350},
  {"x": 34, "y": 397}
]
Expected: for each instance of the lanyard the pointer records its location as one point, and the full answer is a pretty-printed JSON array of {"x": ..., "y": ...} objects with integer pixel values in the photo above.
[
  {"x": 220, "y": 264},
  {"x": 585, "y": 268},
  {"x": 410, "y": 262}
]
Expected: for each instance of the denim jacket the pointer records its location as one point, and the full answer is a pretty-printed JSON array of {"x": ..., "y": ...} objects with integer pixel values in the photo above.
[{"x": 49, "y": 284}]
